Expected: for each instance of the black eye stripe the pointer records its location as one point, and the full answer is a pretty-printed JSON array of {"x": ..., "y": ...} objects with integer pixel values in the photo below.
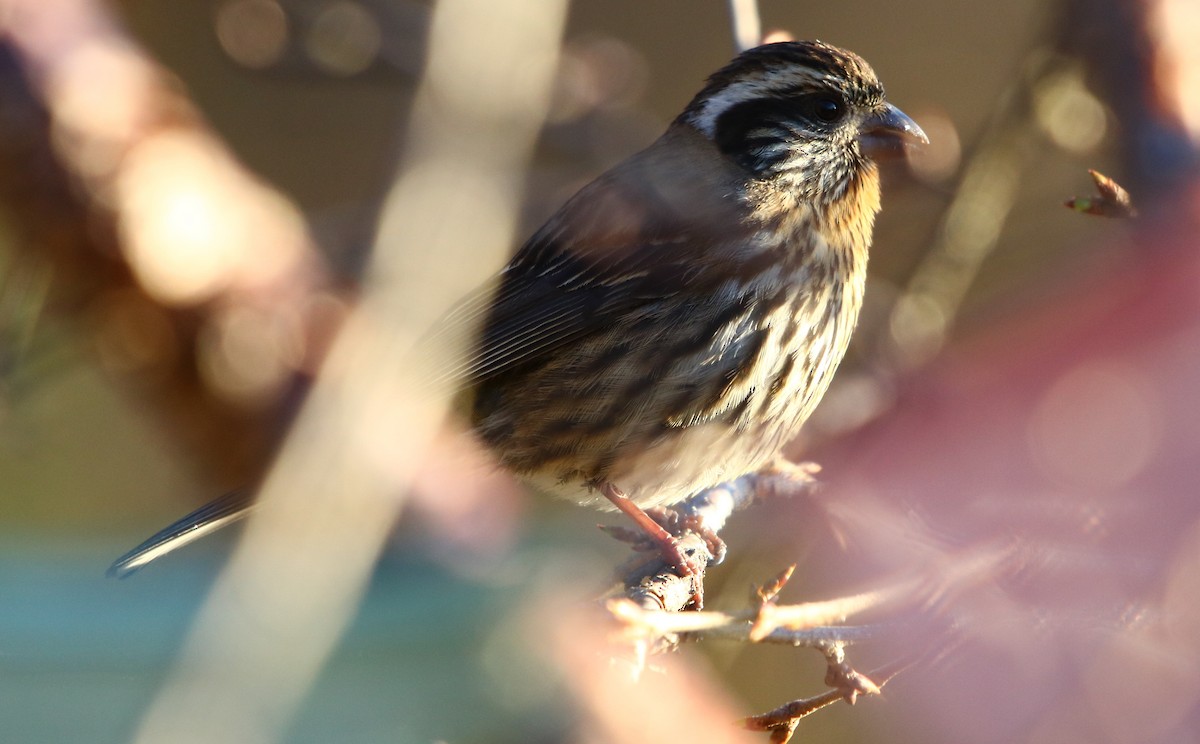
[
  {"x": 761, "y": 140},
  {"x": 741, "y": 125},
  {"x": 749, "y": 124}
]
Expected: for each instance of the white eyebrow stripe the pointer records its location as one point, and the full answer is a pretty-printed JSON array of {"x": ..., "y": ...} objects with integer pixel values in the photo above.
[{"x": 764, "y": 85}]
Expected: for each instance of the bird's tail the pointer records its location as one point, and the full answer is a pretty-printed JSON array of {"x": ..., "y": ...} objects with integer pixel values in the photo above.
[{"x": 207, "y": 519}]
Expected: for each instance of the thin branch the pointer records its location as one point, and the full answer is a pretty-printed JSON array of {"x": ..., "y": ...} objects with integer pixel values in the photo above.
[
  {"x": 818, "y": 637},
  {"x": 782, "y": 721},
  {"x": 951, "y": 574}
]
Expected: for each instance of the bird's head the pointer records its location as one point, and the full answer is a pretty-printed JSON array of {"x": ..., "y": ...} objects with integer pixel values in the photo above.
[{"x": 804, "y": 113}]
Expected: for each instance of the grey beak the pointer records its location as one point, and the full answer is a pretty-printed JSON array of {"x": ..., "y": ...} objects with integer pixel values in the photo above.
[{"x": 889, "y": 131}]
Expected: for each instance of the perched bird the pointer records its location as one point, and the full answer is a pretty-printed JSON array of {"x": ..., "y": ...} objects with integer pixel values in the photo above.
[{"x": 677, "y": 320}]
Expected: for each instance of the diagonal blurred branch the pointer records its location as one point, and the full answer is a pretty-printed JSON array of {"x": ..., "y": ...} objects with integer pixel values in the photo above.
[
  {"x": 970, "y": 227},
  {"x": 277, "y": 611},
  {"x": 1111, "y": 40}
]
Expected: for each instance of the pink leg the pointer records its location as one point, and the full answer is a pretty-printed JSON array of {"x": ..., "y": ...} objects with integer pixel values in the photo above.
[{"x": 668, "y": 545}]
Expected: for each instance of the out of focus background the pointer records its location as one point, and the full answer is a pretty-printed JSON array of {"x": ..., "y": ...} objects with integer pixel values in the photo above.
[{"x": 190, "y": 196}]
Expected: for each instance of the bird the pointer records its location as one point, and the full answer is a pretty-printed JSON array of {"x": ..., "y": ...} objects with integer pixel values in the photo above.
[{"x": 675, "y": 322}]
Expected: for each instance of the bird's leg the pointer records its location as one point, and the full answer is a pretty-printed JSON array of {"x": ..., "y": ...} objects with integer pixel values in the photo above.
[{"x": 668, "y": 544}]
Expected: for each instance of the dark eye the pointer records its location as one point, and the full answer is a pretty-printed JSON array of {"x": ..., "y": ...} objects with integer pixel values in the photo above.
[{"x": 825, "y": 108}]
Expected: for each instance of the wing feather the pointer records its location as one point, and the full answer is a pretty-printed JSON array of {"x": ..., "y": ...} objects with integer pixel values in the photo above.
[{"x": 626, "y": 240}]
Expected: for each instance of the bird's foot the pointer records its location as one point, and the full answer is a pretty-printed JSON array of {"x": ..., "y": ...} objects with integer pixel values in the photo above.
[
  {"x": 661, "y": 532},
  {"x": 678, "y": 525}
]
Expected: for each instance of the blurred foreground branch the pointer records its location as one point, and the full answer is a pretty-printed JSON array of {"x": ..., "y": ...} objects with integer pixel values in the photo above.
[
  {"x": 195, "y": 284},
  {"x": 368, "y": 426}
]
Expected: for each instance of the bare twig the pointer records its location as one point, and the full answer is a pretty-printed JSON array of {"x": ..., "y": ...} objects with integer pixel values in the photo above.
[
  {"x": 770, "y": 590},
  {"x": 658, "y": 625},
  {"x": 782, "y": 721},
  {"x": 818, "y": 637}
]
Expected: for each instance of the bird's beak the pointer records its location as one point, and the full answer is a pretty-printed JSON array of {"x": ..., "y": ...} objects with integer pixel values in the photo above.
[{"x": 889, "y": 132}]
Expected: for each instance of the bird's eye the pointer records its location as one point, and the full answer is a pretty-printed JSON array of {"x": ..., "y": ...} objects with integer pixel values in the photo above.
[{"x": 826, "y": 108}]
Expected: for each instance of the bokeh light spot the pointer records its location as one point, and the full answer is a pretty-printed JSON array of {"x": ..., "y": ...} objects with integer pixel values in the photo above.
[
  {"x": 918, "y": 327},
  {"x": 344, "y": 38},
  {"x": 1069, "y": 114},
  {"x": 193, "y": 224},
  {"x": 132, "y": 334},
  {"x": 247, "y": 354},
  {"x": 1097, "y": 427},
  {"x": 938, "y": 161},
  {"x": 101, "y": 89},
  {"x": 100, "y": 95},
  {"x": 179, "y": 229},
  {"x": 597, "y": 73},
  {"x": 254, "y": 33}
]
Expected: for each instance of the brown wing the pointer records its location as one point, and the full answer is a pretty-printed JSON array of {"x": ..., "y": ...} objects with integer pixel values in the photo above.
[{"x": 655, "y": 226}]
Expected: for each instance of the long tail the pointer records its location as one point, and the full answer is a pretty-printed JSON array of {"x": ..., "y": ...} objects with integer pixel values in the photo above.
[{"x": 207, "y": 519}]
